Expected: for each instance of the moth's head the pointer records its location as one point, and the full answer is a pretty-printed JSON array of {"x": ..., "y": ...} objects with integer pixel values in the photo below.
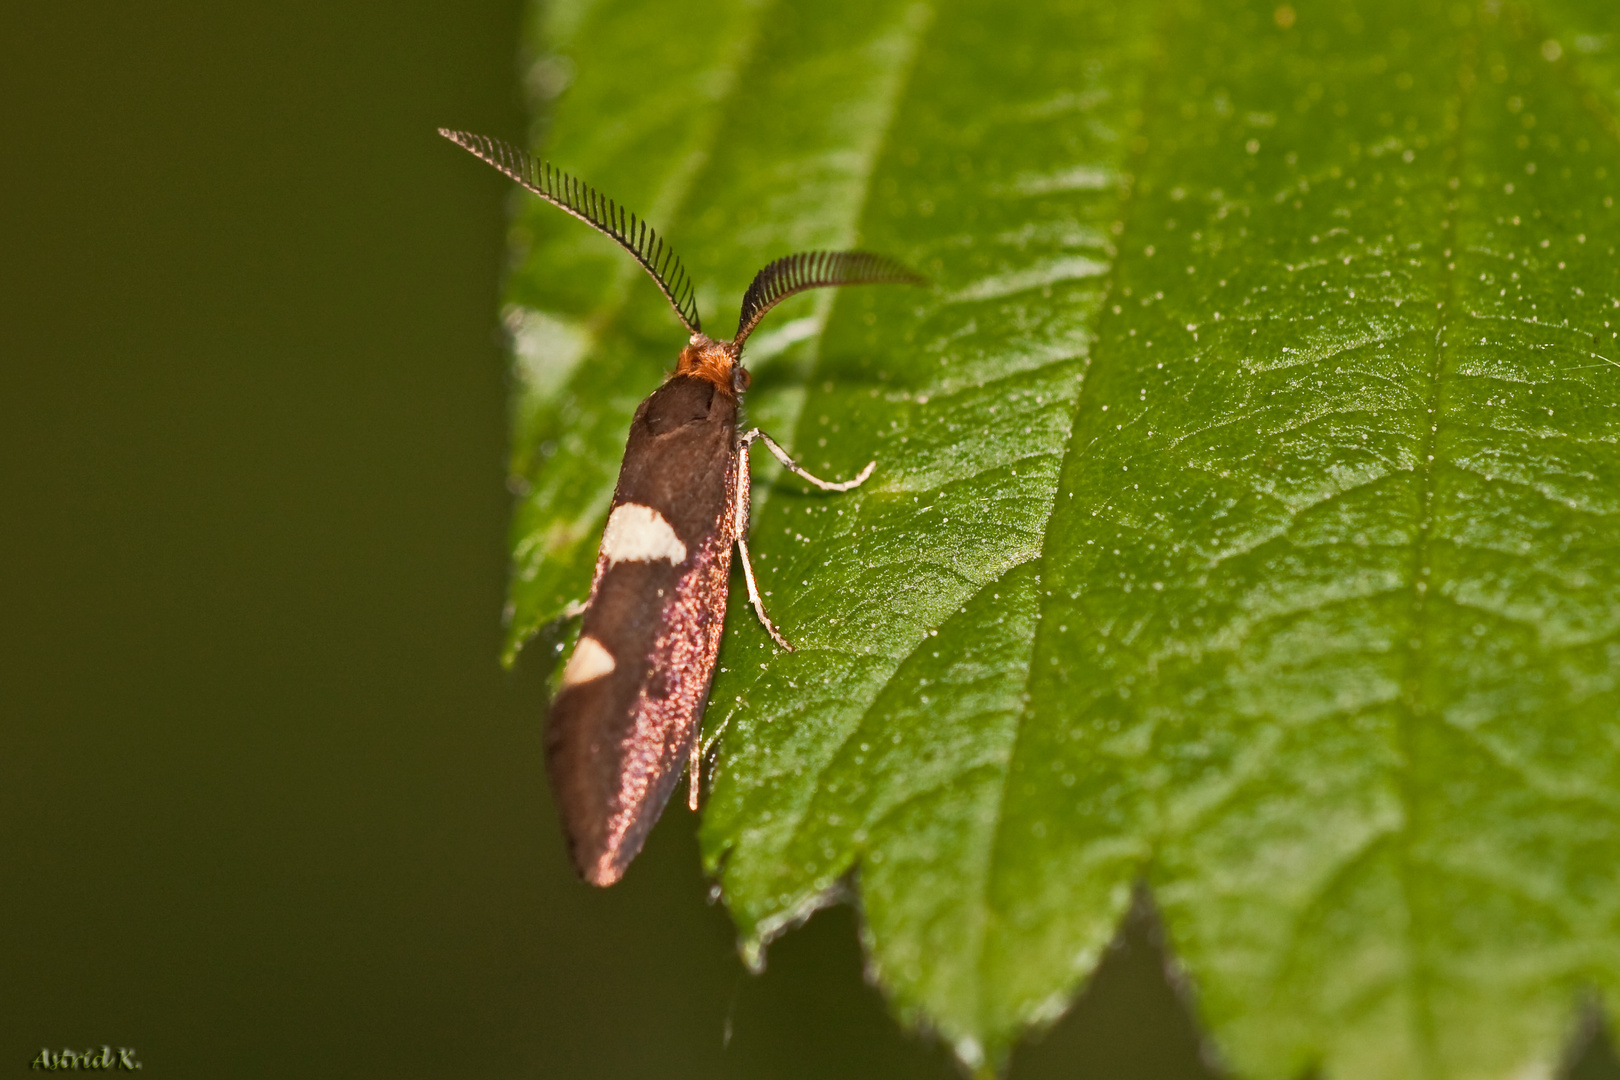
[{"x": 717, "y": 362}]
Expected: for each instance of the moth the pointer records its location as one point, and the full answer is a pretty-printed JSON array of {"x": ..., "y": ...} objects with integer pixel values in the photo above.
[{"x": 627, "y": 716}]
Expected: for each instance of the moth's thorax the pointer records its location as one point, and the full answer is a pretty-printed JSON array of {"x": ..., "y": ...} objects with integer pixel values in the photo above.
[{"x": 714, "y": 362}]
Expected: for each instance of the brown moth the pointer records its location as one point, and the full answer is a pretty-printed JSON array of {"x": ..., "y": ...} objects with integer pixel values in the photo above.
[{"x": 628, "y": 715}]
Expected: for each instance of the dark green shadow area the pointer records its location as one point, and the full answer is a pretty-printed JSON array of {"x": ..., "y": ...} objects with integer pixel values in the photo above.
[
  {"x": 1592, "y": 1055},
  {"x": 1128, "y": 1024}
]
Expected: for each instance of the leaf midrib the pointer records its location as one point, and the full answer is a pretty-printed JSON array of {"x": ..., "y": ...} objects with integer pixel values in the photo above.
[
  {"x": 1127, "y": 205},
  {"x": 1411, "y": 705},
  {"x": 921, "y": 25},
  {"x": 1413, "y": 709}
]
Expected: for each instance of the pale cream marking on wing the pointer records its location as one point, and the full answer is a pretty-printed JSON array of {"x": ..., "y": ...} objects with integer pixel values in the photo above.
[
  {"x": 637, "y": 533},
  {"x": 590, "y": 661}
]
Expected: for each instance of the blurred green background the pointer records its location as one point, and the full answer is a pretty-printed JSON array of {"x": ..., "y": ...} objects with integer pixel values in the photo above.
[{"x": 268, "y": 804}]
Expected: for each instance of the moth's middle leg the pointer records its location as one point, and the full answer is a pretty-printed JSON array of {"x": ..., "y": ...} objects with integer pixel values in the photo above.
[{"x": 739, "y": 500}]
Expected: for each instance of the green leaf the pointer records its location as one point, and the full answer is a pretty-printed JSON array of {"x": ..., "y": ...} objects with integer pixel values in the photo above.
[{"x": 1246, "y": 508}]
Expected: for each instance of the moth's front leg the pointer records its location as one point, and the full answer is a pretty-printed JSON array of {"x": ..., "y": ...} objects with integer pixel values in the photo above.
[{"x": 794, "y": 467}]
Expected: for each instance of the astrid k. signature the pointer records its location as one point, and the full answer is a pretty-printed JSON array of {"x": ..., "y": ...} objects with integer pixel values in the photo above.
[{"x": 55, "y": 1060}]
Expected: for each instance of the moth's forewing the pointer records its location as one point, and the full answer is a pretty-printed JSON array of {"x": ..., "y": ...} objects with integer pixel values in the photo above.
[{"x": 621, "y": 728}]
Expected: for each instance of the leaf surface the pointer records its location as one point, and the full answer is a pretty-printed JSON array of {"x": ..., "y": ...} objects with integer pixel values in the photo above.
[{"x": 1247, "y": 501}]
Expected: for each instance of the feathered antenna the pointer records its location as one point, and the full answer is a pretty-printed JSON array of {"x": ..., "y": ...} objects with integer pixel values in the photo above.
[
  {"x": 813, "y": 270},
  {"x": 596, "y": 210}
]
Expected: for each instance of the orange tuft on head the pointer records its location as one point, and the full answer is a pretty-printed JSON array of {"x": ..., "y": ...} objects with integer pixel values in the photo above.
[{"x": 710, "y": 360}]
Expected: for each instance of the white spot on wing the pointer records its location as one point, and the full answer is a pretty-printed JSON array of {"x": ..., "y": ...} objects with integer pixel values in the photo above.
[
  {"x": 637, "y": 533},
  {"x": 590, "y": 661}
]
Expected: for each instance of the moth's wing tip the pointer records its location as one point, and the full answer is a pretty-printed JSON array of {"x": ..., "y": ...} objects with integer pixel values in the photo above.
[
  {"x": 594, "y": 859},
  {"x": 596, "y": 866},
  {"x": 602, "y": 875},
  {"x": 601, "y": 859}
]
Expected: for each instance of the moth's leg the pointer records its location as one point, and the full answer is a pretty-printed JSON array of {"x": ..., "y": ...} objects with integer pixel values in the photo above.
[
  {"x": 753, "y": 596},
  {"x": 793, "y": 466},
  {"x": 715, "y": 738},
  {"x": 694, "y": 769},
  {"x": 739, "y": 533},
  {"x": 574, "y": 609}
]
